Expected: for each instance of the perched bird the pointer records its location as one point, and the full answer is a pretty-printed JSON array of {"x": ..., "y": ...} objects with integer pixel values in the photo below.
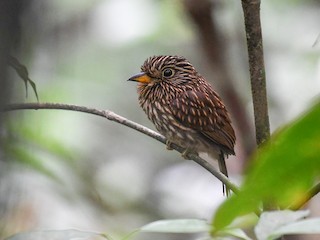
[{"x": 184, "y": 108}]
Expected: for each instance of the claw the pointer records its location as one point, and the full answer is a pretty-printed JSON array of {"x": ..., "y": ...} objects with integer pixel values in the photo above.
[
  {"x": 186, "y": 152},
  {"x": 168, "y": 143}
]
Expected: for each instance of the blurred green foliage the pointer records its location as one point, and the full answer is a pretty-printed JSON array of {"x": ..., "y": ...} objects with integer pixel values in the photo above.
[
  {"x": 31, "y": 146},
  {"x": 281, "y": 172}
]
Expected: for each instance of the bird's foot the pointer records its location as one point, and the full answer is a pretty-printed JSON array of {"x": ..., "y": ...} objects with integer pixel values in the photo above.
[
  {"x": 168, "y": 143},
  {"x": 186, "y": 152}
]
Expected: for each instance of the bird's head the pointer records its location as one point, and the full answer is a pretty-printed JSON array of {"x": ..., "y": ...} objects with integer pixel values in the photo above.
[{"x": 166, "y": 70}]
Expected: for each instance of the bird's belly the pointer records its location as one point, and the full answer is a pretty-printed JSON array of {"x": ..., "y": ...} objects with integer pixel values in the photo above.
[
  {"x": 168, "y": 126},
  {"x": 173, "y": 130}
]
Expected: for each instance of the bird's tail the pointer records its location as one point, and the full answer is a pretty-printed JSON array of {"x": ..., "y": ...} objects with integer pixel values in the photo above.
[{"x": 224, "y": 170}]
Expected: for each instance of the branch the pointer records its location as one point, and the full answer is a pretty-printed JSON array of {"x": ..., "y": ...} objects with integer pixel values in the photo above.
[
  {"x": 251, "y": 10},
  {"x": 310, "y": 194},
  {"x": 119, "y": 119}
]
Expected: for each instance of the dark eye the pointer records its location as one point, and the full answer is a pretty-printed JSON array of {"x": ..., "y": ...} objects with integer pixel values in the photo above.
[{"x": 167, "y": 72}]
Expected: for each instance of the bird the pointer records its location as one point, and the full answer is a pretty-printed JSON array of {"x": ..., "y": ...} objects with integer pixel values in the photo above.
[{"x": 184, "y": 108}]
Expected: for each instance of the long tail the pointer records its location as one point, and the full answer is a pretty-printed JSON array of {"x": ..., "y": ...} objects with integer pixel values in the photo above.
[{"x": 224, "y": 170}]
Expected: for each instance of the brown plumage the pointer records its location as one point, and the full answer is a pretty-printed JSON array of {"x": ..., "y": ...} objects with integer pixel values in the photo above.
[{"x": 184, "y": 107}]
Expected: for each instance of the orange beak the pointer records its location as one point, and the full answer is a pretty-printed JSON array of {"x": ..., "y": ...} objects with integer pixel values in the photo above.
[{"x": 141, "y": 77}]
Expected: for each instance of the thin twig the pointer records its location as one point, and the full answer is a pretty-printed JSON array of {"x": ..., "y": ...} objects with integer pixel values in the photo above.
[
  {"x": 126, "y": 122},
  {"x": 251, "y": 10}
]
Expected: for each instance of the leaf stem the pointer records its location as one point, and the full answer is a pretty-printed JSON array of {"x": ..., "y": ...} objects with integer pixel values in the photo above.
[{"x": 310, "y": 194}]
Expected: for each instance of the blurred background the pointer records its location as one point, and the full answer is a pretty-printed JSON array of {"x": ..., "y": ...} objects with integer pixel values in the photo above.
[{"x": 62, "y": 169}]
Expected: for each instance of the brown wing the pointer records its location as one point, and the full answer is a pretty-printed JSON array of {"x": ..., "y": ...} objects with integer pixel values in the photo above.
[{"x": 204, "y": 112}]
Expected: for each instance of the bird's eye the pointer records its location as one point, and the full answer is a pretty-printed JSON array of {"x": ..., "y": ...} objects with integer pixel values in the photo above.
[{"x": 167, "y": 72}]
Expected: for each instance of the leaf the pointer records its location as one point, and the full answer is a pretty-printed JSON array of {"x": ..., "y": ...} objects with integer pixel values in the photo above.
[
  {"x": 49, "y": 144},
  {"x": 281, "y": 172},
  {"x": 270, "y": 221},
  {"x": 23, "y": 156},
  {"x": 246, "y": 221},
  {"x": 234, "y": 232},
  {"x": 190, "y": 226},
  {"x": 69, "y": 234},
  {"x": 23, "y": 73},
  {"x": 177, "y": 226},
  {"x": 308, "y": 226}
]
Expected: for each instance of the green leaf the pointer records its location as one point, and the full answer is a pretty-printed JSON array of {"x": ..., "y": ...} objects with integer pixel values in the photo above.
[
  {"x": 246, "y": 221},
  {"x": 42, "y": 141},
  {"x": 23, "y": 73},
  {"x": 69, "y": 234},
  {"x": 234, "y": 232},
  {"x": 23, "y": 156},
  {"x": 177, "y": 226},
  {"x": 270, "y": 221},
  {"x": 281, "y": 172}
]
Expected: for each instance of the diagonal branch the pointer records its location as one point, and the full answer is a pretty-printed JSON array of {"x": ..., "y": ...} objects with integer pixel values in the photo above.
[
  {"x": 310, "y": 194},
  {"x": 126, "y": 122}
]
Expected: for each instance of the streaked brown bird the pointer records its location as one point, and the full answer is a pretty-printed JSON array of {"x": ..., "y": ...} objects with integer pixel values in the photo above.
[{"x": 184, "y": 107}]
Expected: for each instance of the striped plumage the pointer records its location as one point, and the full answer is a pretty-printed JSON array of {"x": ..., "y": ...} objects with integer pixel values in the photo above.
[{"x": 184, "y": 107}]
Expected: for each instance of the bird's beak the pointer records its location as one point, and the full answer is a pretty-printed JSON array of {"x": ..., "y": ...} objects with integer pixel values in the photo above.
[{"x": 140, "y": 77}]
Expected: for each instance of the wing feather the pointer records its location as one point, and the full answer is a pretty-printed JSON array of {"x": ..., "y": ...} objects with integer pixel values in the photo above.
[{"x": 205, "y": 113}]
